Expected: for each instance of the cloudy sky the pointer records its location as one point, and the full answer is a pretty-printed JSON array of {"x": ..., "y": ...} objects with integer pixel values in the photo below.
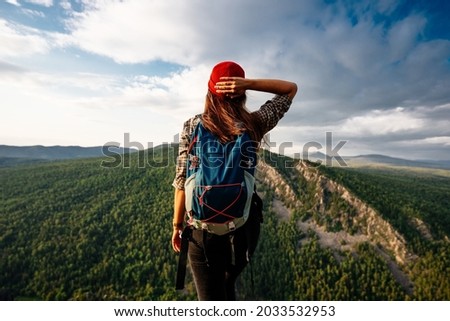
[{"x": 89, "y": 72}]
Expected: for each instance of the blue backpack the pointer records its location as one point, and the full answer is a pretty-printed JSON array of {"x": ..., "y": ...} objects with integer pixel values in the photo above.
[{"x": 220, "y": 181}]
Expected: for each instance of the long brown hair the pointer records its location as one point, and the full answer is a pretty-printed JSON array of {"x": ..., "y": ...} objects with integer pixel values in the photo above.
[{"x": 228, "y": 117}]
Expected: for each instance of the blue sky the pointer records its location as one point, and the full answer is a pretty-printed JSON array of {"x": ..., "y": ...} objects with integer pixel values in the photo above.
[{"x": 374, "y": 73}]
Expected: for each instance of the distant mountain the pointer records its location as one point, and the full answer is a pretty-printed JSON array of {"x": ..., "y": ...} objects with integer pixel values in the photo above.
[
  {"x": 387, "y": 160},
  {"x": 39, "y": 152},
  {"x": 376, "y": 159}
]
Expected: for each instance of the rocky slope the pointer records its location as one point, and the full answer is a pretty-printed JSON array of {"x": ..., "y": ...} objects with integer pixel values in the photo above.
[{"x": 338, "y": 218}]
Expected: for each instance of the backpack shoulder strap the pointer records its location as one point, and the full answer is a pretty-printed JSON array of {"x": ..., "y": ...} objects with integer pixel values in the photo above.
[{"x": 194, "y": 125}]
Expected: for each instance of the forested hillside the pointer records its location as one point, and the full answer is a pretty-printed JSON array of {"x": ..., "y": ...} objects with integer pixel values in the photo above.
[
  {"x": 80, "y": 230},
  {"x": 100, "y": 230}
]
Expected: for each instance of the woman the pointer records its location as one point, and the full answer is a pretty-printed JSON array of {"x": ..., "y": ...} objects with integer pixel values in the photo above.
[{"x": 226, "y": 116}]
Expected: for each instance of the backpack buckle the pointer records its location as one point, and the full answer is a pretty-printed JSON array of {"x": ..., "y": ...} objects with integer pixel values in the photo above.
[{"x": 231, "y": 226}]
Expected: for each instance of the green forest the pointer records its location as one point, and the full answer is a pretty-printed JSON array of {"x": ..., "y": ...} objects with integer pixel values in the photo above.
[{"x": 100, "y": 229}]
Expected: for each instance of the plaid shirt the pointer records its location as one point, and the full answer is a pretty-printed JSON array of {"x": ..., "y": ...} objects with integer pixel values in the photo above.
[{"x": 268, "y": 116}]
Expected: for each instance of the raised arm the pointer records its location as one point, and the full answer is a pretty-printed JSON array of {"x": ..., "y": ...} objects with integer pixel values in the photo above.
[{"x": 236, "y": 86}]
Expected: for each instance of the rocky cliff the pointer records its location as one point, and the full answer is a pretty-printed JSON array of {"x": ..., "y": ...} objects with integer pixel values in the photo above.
[
  {"x": 338, "y": 218},
  {"x": 367, "y": 221}
]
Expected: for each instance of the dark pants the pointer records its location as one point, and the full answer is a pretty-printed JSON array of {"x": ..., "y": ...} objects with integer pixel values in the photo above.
[{"x": 216, "y": 261}]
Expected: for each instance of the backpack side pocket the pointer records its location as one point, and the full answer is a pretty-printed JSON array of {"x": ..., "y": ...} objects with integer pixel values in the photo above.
[{"x": 189, "y": 187}]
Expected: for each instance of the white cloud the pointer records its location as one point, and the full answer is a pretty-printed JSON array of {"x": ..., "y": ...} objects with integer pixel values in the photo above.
[
  {"x": 136, "y": 31},
  {"x": 13, "y": 2},
  {"x": 45, "y": 3},
  {"x": 18, "y": 40},
  {"x": 382, "y": 122},
  {"x": 386, "y": 6},
  {"x": 187, "y": 33},
  {"x": 22, "y": 41},
  {"x": 33, "y": 13},
  {"x": 81, "y": 109},
  {"x": 440, "y": 140},
  {"x": 182, "y": 92},
  {"x": 66, "y": 5},
  {"x": 101, "y": 107},
  {"x": 402, "y": 36}
]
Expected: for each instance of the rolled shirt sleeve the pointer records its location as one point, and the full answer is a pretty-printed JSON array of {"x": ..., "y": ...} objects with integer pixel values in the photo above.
[
  {"x": 185, "y": 140},
  {"x": 272, "y": 111}
]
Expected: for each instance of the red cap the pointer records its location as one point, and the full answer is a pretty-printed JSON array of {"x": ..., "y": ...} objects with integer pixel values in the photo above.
[{"x": 224, "y": 69}]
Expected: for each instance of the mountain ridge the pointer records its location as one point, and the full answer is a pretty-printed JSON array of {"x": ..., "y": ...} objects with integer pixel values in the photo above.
[
  {"x": 58, "y": 152},
  {"x": 54, "y": 152},
  {"x": 382, "y": 160}
]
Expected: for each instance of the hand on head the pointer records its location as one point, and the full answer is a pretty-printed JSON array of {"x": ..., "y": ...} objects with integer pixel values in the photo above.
[{"x": 231, "y": 86}]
